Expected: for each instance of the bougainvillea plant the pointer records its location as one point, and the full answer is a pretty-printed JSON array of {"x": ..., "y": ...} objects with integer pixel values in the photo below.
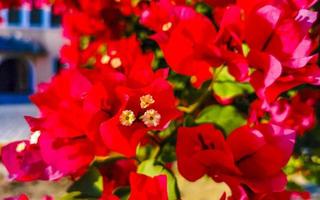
[{"x": 156, "y": 92}]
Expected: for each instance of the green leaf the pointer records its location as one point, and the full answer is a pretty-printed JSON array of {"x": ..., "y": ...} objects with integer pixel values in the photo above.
[
  {"x": 168, "y": 131},
  {"x": 202, "y": 8},
  {"x": 71, "y": 196},
  {"x": 245, "y": 49},
  {"x": 122, "y": 192},
  {"x": 226, "y": 117},
  {"x": 146, "y": 151},
  {"x": 89, "y": 185},
  {"x": 152, "y": 168},
  {"x": 84, "y": 42},
  {"x": 226, "y": 87},
  {"x": 168, "y": 153}
]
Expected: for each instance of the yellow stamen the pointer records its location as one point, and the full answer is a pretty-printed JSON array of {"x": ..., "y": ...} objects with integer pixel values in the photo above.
[
  {"x": 127, "y": 118},
  {"x": 146, "y": 101},
  {"x": 151, "y": 118}
]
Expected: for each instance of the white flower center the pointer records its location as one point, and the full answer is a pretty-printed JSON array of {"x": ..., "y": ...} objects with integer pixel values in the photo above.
[
  {"x": 20, "y": 147},
  {"x": 146, "y": 101},
  {"x": 151, "y": 118},
  {"x": 34, "y": 137},
  {"x": 105, "y": 59},
  {"x": 116, "y": 62},
  {"x": 127, "y": 118},
  {"x": 166, "y": 26}
]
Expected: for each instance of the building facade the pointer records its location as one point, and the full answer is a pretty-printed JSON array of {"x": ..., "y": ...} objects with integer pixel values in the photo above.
[{"x": 30, "y": 39}]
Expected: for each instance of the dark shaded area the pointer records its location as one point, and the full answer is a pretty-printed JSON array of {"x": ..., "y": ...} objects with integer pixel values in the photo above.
[
  {"x": 15, "y": 76},
  {"x": 14, "y": 16},
  {"x": 36, "y": 17}
]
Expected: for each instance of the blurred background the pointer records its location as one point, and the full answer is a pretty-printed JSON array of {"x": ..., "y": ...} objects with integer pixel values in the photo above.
[{"x": 30, "y": 40}]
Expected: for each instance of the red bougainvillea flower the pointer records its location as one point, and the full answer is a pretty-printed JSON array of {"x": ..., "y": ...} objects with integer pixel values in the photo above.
[
  {"x": 260, "y": 153},
  {"x": 297, "y": 113},
  {"x": 20, "y": 197},
  {"x": 146, "y": 188},
  {"x": 290, "y": 79},
  {"x": 24, "y": 162},
  {"x": 268, "y": 69},
  {"x": 69, "y": 122},
  {"x": 18, "y": 3},
  {"x": 219, "y": 3},
  {"x": 202, "y": 150},
  {"x": 285, "y": 195},
  {"x": 186, "y": 38},
  {"x": 250, "y": 156},
  {"x": 10, "y": 3},
  {"x": 90, "y": 25},
  {"x": 116, "y": 174},
  {"x": 123, "y": 56},
  {"x": 267, "y": 29},
  {"x": 71, "y": 156},
  {"x": 230, "y": 39},
  {"x": 59, "y": 104},
  {"x": 148, "y": 108},
  {"x": 74, "y": 106},
  {"x": 276, "y": 55},
  {"x": 25, "y": 197},
  {"x": 104, "y": 19},
  {"x": 126, "y": 56}
]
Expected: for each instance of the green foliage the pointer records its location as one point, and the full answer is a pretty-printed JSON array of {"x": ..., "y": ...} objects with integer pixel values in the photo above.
[
  {"x": 305, "y": 161},
  {"x": 90, "y": 185},
  {"x": 227, "y": 87},
  {"x": 84, "y": 42},
  {"x": 146, "y": 152},
  {"x": 123, "y": 192},
  {"x": 168, "y": 131},
  {"x": 167, "y": 153},
  {"x": 245, "y": 49},
  {"x": 226, "y": 117},
  {"x": 71, "y": 196},
  {"x": 153, "y": 168}
]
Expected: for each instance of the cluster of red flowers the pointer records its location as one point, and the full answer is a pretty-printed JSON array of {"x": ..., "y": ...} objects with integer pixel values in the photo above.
[{"x": 111, "y": 102}]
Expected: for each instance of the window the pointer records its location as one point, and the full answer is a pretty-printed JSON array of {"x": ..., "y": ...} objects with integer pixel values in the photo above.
[
  {"x": 55, "y": 20},
  {"x": 14, "y": 17},
  {"x": 15, "y": 76},
  {"x": 36, "y": 17}
]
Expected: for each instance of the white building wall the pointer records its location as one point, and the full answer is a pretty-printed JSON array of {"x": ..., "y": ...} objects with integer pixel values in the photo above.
[{"x": 50, "y": 38}]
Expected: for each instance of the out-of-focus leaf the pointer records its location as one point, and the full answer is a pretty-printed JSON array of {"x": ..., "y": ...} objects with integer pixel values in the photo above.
[
  {"x": 202, "y": 8},
  {"x": 245, "y": 49},
  {"x": 122, "y": 192},
  {"x": 71, "y": 196},
  {"x": 226, "y": 117},
  {"x": 226, "y": 87},
  {"x": 168, "y": 131},
  {"x": 90, "y": 184},
  {"x": 146, "y": 152},
  {"x": 168, "y": 153},
  {"x": 84, "y": 42},
  {"x": 152, "y": 168}
]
